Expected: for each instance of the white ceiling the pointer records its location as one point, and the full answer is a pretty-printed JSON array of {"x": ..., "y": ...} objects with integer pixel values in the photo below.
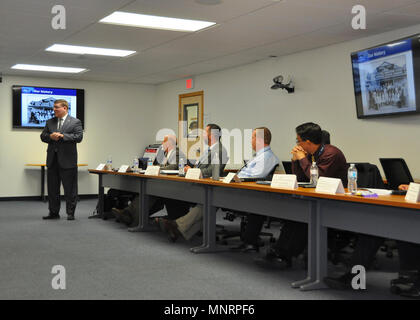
[{"x": 246, "y": 31}]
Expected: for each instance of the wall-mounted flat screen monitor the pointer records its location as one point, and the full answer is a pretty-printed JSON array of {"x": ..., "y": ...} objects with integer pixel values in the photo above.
[
  {"x": 387, "y": 78},
  {"x": 33, "y": 106}
]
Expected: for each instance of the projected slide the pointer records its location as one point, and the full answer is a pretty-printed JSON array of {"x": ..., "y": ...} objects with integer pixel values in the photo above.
[
  {"x": 38, "y": 103},
  {"x": 387, "y": 79}
]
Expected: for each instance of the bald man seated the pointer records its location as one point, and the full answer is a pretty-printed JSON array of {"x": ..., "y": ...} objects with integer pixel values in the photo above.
[{"x": 168, "y": 162}]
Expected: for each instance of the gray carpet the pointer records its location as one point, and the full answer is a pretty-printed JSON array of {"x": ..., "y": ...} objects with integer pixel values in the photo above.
[{"x": 105, "y": 261}]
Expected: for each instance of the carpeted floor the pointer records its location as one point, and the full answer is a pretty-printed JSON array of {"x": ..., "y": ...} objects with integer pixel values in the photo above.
[{"x": 104, "y": 261}]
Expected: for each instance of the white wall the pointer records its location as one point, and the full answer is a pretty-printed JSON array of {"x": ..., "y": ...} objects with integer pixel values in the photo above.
[
  {"x": 241, "y": 98},
  {"x": 117, "y": 122},
  {"x": 121, "y": 119}
]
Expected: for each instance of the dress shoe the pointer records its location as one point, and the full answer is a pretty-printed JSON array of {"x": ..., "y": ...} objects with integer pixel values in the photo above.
[
  {"x": 122, "y": 215},
  {"x": 339, "y": 283},
  {"x": 51, "y": 217},
  {"x": 405, "y": 278},
  {"x": 272, "y": 260},
  {"x": 70, "y": 217},
  {"x": 245, "y": 247},
  {"x": 412, "y": 292},
  {"x": 404, "y": 283},
  {"x": 171, "y": 228}
]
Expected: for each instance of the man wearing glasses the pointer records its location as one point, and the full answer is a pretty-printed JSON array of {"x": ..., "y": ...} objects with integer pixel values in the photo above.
[
  {"x": 62, "y": 133},
  {"x": 331, "y": 163}
]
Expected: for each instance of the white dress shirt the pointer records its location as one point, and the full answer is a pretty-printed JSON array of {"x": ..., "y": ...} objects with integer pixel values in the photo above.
[{"x": 62, "y": 122}]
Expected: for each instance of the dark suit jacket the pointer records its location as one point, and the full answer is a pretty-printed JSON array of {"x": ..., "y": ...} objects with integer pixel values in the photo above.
[
  {"x": 66, "y": 147},
  {"x": 206, "y": 166}
]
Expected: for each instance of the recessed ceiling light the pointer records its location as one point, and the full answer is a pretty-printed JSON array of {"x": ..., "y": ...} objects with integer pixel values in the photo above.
[
  {"x": 65, "y": 48},
  {"x": 33, "y": 67},
  {"x": 155, "y": 22}
]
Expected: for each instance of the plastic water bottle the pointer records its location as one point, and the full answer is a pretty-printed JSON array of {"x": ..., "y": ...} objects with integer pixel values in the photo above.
[
  {"x": 314, "y": 173},
  {"x": 352, "y": 179},
  {"x": 109, "y": 163},
  {"x": 136, "y": 165},
  {"x": 181, "y": 166},
  {"x": 150, "y": 162}
]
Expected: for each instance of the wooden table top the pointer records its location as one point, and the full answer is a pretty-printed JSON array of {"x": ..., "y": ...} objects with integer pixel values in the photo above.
[
  {"x": 389, "y": 200},
  {"x": 44, "y": 165}
]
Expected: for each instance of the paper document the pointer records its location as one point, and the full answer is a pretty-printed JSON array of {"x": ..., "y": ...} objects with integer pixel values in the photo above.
[
  {"x": 380, "y": 192},
  {"x": 170, "y": 171}
]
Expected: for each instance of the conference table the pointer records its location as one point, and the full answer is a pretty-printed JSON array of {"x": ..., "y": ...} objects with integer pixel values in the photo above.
[{"x": 386, "y": 216}]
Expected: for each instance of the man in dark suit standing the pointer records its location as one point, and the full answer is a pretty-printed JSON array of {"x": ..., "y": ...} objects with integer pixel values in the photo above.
[{"x": 62, "y": 133}]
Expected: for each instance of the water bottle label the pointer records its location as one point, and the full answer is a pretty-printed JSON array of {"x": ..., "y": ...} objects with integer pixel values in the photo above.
[{"x": 353, "y": 175}]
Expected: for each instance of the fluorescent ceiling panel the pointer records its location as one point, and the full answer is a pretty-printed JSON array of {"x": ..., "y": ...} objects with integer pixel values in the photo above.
[
  {"x": 65, "y": 48},
  {"x": 33, "y": 67},
  {"x": 155, "y": 22}
]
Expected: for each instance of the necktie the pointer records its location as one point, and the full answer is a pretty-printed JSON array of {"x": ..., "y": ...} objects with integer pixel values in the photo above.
[
  {"x": 203, "y": 157},
  {"x": 60, "y": 123}
]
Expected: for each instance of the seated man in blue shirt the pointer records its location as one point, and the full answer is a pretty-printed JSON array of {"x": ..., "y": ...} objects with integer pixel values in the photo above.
[{"x": 259, "y": 167}]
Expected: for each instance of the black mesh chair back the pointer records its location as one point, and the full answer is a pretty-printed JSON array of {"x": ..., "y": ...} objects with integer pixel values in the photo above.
[
  {"x": 396, "y": 172},
  {"x": 287, "y": 165},
  {"x": 368, "y": 176}
]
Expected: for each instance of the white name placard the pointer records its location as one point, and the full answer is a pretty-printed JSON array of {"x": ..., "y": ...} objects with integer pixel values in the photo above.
[
  {"x": 231, "y": 176},
  {"x": 284, "y": 181},
  {"x": 413, "y": 193},
  {"x": 152, "y": 171},
  {"x": 101, "y": 166},
  {"x": 329, "y": 185},
  {"x": 123, "y": 168},
  {"x": 194, "y": 174}
]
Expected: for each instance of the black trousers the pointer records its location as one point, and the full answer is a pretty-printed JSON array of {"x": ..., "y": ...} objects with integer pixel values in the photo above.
[
  {"x": 55, "y": 176},
  {"x": 177, "y": 208},
  {"x": 365, "y": 250},
  {"x": 293, "y": 237},
  {"x": 253, "y": 228},
  {"x": 409, "y": 254},
  {"x": 367, "y": 247}
]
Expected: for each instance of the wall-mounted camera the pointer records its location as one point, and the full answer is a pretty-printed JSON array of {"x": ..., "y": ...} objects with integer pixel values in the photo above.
[{"x": 288, "y": 85}]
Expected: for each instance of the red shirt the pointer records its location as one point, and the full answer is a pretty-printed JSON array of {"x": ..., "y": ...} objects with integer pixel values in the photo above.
[{"x": 331, "y": 163}]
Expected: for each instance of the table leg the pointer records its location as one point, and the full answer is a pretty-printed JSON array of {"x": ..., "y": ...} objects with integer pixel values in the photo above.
[
  {"x": 319, "y": 258},
  {"x": 43, "y": 184},
  {"x": 100, "y": 212},
  {"x": 143, "y": 210},
  {"x": 209, "y": 227},
  {"x": 311, "y": 248}
]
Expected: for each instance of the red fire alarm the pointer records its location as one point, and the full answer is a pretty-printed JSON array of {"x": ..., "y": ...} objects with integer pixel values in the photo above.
[{"x": 189, "y": 83}]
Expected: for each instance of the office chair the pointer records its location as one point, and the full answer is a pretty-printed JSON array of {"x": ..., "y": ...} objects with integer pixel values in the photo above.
[
  {"x": 368, "y": 177},
  {"x": 396, "y": 172},
  {"x": 287, "y": 165},
  {"x": 231, "y": 215}
]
